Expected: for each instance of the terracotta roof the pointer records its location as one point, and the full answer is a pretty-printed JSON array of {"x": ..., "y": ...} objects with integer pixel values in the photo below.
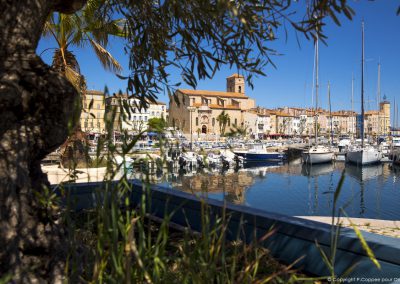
[
  {"x": 94, "y": 92},
  {"x": 283, "y": 114},
  {"x": 212, "y": 94},
  {"x": 236, "y": 75},
  {"x": 371, "y": 112},
  {"x": 216, "y": 106},
  {"x": 223, "y": 107}
]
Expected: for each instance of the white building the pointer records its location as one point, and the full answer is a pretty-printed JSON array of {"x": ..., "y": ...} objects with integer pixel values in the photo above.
[
  {"x": 263, "y": 125},
  {"x": 136, "y": 119}
]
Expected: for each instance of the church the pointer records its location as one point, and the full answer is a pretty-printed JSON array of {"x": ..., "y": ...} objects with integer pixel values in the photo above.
[{"x": 198, "y": 110}]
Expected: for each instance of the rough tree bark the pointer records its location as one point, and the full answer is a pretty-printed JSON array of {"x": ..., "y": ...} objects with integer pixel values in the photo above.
[{"x": 36, "y": 105}]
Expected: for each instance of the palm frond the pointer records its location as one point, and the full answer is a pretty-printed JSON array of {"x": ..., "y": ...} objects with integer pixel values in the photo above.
[{"x": 106, "y": 59}]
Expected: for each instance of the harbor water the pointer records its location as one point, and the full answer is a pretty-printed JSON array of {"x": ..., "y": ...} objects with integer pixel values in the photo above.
[{"x": 296, "y": 189}]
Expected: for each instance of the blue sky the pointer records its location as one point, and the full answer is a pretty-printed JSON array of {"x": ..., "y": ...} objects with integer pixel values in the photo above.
[{"x": 290, "y": 84}]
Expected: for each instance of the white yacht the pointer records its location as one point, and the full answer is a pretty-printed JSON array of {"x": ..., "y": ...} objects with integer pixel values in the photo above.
[
  {"x": 364, "y": 154},
  {"x": 317, "y": 155}
]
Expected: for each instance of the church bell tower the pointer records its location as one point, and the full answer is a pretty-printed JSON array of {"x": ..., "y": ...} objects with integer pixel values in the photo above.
[{"x": 235, "y": 84}]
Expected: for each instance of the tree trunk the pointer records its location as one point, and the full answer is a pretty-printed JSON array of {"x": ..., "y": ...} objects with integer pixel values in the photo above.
[{"x": 36, "y": 105}]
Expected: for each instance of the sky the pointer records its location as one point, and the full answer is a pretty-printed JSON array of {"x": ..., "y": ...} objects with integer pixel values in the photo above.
[{"x": 291, "y": 82}]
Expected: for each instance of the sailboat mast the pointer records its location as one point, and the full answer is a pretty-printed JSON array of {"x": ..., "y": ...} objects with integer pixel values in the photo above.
[
  {"x": 330, "y": 110},
  {"x": 352, "y": 101},
  {"x": 316, "y": 91},
  {"x": 378, "y": 98},
  {"x": 362, "y": 87},
  {"x": 352, "y": 92},
  {"x": 394, "y": 113}
]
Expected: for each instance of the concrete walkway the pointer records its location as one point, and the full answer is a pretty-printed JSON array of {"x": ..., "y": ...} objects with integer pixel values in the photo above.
[
  {"x": 56, "y": 175},
  {"x": 382, "y": 227}
]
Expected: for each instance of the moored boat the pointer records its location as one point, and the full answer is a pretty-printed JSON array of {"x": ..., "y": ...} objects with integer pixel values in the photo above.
[
  {"x": 317, "y": 155},
  {"x": 258, "y": 152},
  {"x": 364, "y": 155}
]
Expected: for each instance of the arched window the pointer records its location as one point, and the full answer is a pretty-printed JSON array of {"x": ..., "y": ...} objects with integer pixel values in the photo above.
[{"x": 240, "y": 89}]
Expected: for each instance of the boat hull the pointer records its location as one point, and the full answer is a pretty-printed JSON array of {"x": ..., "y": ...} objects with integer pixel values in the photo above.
[
  {"x": 317, "y": 157},
  {"x": 363, "y": 157},
  {"x": 261, "y": 156}
]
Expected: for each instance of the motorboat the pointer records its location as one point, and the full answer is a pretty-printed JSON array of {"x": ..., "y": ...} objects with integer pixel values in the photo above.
[{"x": 258, "y": 152}]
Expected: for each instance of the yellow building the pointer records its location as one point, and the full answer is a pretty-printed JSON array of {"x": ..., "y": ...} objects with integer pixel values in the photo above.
[
  {"x": 198, "y": 110},
  {"x": 384, "y": 118},
  {"x": 93, "y": 109},
  {"x": 378, "y": 122}
]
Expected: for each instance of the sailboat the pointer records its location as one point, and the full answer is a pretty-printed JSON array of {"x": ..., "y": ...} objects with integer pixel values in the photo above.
[
  {"x": 364, "y": 154},
  {"x": 317, "y": 154}
]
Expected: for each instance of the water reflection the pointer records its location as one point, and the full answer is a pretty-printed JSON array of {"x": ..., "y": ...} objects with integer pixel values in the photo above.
[
  {"x": 296, "y": 189},
  {"x": 364, "y": 173},
  {"x": 317, "y": 170}
]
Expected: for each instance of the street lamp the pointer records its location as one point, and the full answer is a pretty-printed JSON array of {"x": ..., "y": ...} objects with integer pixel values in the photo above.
[{"x": 191, "y": 109}]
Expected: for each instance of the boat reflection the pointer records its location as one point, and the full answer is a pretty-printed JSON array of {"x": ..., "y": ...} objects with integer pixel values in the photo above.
[
  {"x": 317, "y": 169},
  {"x": 364, "y": 173}
]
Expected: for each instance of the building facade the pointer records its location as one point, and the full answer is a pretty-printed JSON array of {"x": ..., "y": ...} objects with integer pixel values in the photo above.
[
  {"x": 93, "y": 111},
  {"x": 199, "y": 111},
  {"x": 129, "y": 115}
]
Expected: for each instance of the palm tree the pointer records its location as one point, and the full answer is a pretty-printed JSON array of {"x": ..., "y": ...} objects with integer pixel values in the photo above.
[
  {"x": 223, "y": 119},
  {"x": 79, "y": 30},
  {"x": 238, "y": 131}
]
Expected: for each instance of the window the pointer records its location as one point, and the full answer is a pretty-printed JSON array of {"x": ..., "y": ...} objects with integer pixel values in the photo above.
[
  {"x": 213, "y": 121},
  {"x": 98, "y": 106},
  {"x": 197, "y": 121},
  {"x": 145, "y": 118},
  {"x": 240, "y": 89},
  {"x": 235, "y": 121},
  {"x": 152, "y": 113}
]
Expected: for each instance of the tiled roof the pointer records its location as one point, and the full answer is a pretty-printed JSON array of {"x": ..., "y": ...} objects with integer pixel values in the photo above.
[
  {"x": 94, "y": 92},
  {"x": 278, "y": 113},
  {"x": 371, "y": 112},
  {"x": 236, "y": 75},
  {"x": 224, "y": 107},
  {"x": 212, "y": 94},
  {"x": 215, "y": 106}
]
